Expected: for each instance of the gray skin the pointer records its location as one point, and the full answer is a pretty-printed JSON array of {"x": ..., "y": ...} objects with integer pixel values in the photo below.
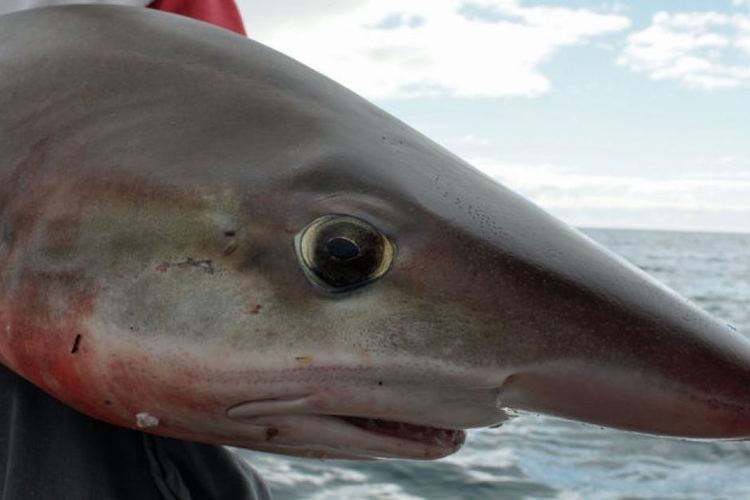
[{"x": 154, "y": 172}]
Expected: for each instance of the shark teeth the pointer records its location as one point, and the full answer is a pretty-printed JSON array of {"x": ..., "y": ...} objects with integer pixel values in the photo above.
[{"x": 412, "y": 432}]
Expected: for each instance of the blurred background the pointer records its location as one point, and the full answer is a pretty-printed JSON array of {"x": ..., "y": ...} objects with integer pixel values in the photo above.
[{"x": 628, "y": 119}]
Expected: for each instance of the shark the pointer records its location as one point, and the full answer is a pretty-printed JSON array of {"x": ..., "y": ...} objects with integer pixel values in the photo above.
[{"x": 204, "y": 239}]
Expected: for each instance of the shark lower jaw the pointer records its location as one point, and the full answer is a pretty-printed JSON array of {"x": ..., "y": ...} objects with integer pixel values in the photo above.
[{"x": 354, "y": 437}]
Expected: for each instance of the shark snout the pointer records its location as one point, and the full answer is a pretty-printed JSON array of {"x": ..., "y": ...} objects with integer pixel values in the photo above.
[
  {"x": 642, "y": 400},
  {"x": 613, "y": 347},
  {"x": 567, "y": 328}
]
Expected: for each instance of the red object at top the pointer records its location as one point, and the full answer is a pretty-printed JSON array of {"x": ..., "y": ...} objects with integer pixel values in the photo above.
[{"x": 223, "y": 13}]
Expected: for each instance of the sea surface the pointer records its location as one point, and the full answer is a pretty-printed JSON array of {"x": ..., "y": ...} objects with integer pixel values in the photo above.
[{"x": 539, "y": 457}]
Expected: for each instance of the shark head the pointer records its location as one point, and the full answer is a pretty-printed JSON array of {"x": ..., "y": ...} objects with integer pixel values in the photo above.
[{"x": 205, "y": 239}]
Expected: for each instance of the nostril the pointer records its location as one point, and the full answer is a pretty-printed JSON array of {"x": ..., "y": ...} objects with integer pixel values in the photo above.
[
  {"x": 508, "y": 383},
  {"x": 503, "y": 394}
]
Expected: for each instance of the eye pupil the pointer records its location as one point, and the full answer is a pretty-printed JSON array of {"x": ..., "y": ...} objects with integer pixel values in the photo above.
[{"x": 342, "y": 248}]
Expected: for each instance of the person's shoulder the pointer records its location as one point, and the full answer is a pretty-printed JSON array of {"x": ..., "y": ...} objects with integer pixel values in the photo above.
[
  {"x": 53, "y": 451},
  {"x": 206, "y": 471}
]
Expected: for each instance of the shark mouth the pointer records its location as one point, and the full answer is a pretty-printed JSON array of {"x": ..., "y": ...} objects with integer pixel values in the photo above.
[
  {"x": 340, "y": 436},
  {"x": 433, "y": 436},
  {"x": 286, "y": 425}
]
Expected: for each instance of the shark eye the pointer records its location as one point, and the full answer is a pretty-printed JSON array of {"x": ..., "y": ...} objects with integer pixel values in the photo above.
[{"x": 340, "y": 252}]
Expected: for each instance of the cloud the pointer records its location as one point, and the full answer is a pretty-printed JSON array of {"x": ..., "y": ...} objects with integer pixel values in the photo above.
[
  {"x": 708, "y": 50},
  {"x": 474, "y": 140},
  {"x": 390, "y": 48},
  {"x": 719, "y": 202}
]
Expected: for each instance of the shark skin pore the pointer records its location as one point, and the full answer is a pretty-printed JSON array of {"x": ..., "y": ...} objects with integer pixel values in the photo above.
[{"x": 204, "y": 239}]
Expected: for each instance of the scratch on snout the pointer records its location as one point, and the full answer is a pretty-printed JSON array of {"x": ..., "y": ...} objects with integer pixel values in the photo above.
[
  {"x": 205, "y": 265},
  {"x": 230, "y": 248},
  {"x": 76, "y": 344},
  {"x": 304, "y": 359}
]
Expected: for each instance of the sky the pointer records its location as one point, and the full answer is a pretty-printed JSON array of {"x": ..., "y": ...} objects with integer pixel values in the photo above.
[{"x": 607, "y": 114}]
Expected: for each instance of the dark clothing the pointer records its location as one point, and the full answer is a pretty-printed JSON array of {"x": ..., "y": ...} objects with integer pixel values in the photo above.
[{"x": 49, "y": 451}]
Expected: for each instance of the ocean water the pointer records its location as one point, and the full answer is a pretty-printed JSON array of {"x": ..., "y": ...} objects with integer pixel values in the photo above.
[{"x": 539, "y": 457}]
